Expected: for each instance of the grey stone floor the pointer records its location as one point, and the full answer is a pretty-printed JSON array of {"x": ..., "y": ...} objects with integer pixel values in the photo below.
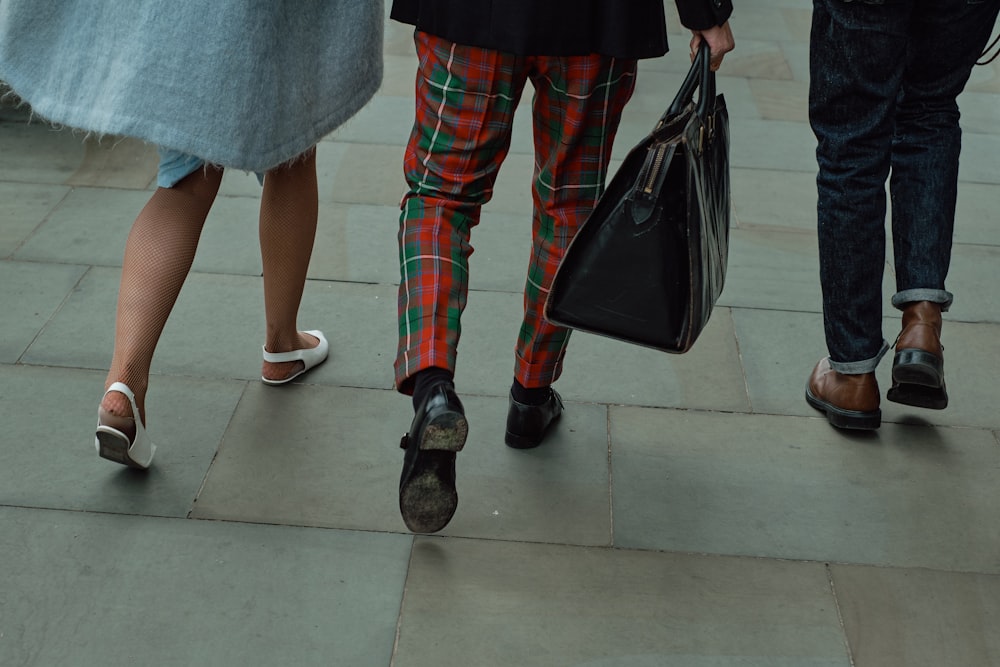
[{"x": 689, "y": 510}]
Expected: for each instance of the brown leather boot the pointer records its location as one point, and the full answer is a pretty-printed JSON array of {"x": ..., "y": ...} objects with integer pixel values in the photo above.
[
  {"x": 918, "y": 365},
  {"x": 849, "y": 401}
]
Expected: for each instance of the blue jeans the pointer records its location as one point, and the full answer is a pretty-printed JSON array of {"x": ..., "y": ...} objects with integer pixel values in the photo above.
[{"x": 884, "y": 76}]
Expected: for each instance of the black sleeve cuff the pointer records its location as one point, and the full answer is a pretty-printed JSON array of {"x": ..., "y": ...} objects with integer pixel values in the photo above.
[{"x": 704, "y": 14}]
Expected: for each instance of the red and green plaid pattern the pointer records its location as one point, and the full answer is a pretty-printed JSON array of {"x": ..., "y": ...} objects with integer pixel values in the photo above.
[{"x": 466, "y": 98}]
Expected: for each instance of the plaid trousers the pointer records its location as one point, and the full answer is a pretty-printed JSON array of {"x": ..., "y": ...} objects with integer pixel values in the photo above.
[{"x": 465, "y": 102}]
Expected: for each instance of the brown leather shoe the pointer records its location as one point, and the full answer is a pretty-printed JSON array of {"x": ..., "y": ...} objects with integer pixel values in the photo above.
[
  {"x": 849, "y": 401},
  {"x": 918, "y": 365}
]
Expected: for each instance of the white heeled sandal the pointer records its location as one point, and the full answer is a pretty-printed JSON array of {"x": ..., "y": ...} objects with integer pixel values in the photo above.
[
  {"x": 310, "y": 357},
  {"x": 115, "y": 446}
]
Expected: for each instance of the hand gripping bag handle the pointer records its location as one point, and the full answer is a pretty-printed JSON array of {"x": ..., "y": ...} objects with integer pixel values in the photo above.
[{"x": 699, "y": 76}]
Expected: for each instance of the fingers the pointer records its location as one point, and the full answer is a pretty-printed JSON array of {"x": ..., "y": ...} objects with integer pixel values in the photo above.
[
  {"x": 695, "y": 44},
  {"x": 720, "y": 41}
]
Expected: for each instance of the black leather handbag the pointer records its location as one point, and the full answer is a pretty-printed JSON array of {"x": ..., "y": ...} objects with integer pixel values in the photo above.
[{"x": 648, "y": 265}]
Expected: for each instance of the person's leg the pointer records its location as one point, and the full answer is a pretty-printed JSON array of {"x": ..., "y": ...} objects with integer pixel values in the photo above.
[
  {"x": 857, "y": 55},
  {"x": 856, "y": 67},
  {"x": 288, "y": 214},
  {"x": 577, "y": 108},
  {"x": 466, "y": 99},
  {"x": 947, "y": 36},
  {"x": 465, "y": 104},
  {"x": 158, "y": 256}
]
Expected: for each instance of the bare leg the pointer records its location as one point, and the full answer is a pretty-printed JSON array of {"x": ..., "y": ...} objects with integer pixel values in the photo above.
[
  {"x": 288, "y": 212},
  {"x": 158, "y": 256}
]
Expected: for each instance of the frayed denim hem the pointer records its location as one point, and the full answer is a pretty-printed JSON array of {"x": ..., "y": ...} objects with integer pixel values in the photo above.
[{"x": 176, "y": 166}]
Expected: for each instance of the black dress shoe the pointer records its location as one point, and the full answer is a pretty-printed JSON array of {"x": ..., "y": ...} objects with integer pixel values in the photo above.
[
  {"x": 427, "y": 494},
  {"x": 526, "y": 424}
]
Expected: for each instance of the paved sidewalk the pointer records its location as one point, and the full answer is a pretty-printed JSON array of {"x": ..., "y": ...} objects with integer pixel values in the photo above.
[{"x": 689, "y": 510}]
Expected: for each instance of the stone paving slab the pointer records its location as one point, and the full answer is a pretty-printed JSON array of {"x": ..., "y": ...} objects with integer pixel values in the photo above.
[
  {"x": 23, "y": 207},
  {"x": 114, "y": 162},
  {"x": 194, "y": 344},
  {"x": 93, "y": 590},
  {"x": 91, "y": 226},
  {"x": 556, "y": 606},
  {"x": 918, "y": 618},
  {"x": 975, "y": 217},
  {"x": 356, "y": 243},
  {"x": 329, "y": 457},
  {"x": 797, "y": 489},
  {"x": 49, "y": 460},
  {"x": 32, "y": 293},
  {"x": 772, "y": 270},
  {"x": 34, "y": 154}
]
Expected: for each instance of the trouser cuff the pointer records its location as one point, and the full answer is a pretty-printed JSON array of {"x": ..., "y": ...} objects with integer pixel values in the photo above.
[
  {"x": 900, "y": 299},
  {"x": 860, "y": 367}
]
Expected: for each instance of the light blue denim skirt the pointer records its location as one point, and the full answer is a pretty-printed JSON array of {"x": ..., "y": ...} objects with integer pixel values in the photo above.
[{"x": 175, "y": 166}]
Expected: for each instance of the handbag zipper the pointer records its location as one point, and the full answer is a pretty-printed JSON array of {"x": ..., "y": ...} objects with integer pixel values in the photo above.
[{"x": 654, "y": 169}]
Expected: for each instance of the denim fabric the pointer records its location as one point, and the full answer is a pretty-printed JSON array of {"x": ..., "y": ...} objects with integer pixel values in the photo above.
[
  {"x": 244, "y": 84},
  {"x": 884, "y": 80},
  {"x": 175, "y": 165}
]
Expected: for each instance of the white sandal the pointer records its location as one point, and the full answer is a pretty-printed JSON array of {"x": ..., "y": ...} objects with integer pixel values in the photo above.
[
  {"x": 114, "y": 445},
  {"x": 310, "y": 357}
]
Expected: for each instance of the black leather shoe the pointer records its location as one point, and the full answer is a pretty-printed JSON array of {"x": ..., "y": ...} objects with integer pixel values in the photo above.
[
  {"x": 427, "y": 494},
  {"x": 526, "y": 424}
]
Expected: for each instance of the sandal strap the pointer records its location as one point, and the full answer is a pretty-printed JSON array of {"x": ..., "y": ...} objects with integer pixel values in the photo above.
[
  {"x": 122, "y": 388},
  {"x": 280, "y": 357},
  {"x": 294, "y": 355}
]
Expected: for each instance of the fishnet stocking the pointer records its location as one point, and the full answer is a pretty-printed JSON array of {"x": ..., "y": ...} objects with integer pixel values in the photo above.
[
  {"x": 288, "y": 213},
  {"x": 158, "y": 256}
]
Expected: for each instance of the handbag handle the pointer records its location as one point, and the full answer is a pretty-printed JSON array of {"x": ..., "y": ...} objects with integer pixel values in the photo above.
[{"x": 699, "y": 76}]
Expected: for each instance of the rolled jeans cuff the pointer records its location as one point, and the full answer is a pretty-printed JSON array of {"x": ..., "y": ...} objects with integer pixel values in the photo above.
[
  {"x": 944, "y": 297},
  {"x": 860, "y": 367}
]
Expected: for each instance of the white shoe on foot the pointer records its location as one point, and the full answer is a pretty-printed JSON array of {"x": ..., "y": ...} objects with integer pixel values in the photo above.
[
  {"x": 114, "y": 445},
  {"x": 310, "y": 358}
]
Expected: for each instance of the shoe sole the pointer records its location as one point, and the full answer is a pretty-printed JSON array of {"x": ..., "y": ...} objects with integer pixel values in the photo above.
[
  {"x": 918, "y": 380},
  {"x": 522, "y": 441},
  {"x": 918, "y": 367},
  {"x": 919, "y": 396},
  {"x": 846, "y": 419},
  {"x": 427, "y": 502},
  {"x": 445, "y": 431},
  {"x": 115, "y": 448},
  {"x": 518, "y": 441}
]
